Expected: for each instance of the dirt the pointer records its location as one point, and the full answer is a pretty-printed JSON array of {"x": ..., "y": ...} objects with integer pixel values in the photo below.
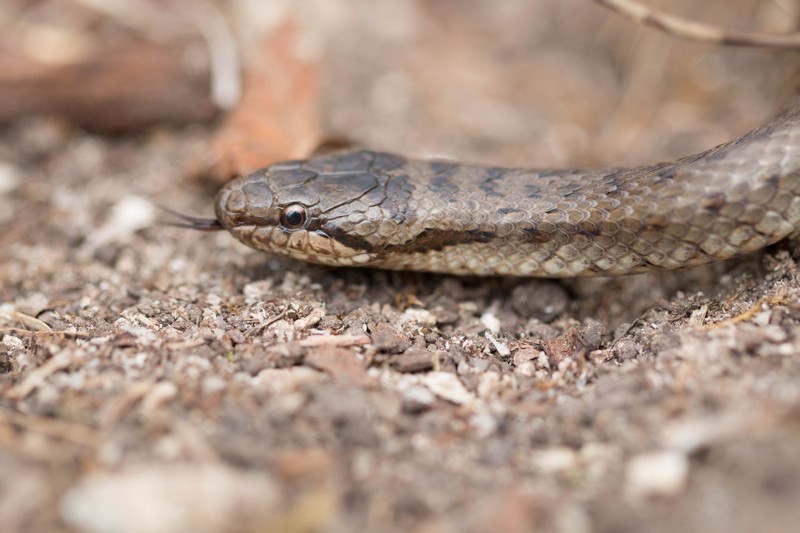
[{"x": 157, "y": 379}]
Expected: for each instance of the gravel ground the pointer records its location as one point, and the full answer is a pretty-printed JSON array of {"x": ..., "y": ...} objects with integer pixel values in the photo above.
[{"x": 155, "y": 379}]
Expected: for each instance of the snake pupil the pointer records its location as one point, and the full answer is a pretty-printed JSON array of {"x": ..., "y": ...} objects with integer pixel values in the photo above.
[{"x": 293, "y": 216}]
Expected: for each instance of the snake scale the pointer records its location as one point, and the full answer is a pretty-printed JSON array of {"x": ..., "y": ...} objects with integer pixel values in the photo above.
[{"x": 381, "y": 210}]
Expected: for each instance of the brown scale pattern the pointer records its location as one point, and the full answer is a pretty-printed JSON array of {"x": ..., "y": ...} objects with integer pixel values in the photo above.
[{"x": 382, "y": 210}]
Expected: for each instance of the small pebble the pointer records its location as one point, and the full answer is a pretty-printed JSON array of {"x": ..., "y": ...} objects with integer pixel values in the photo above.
[
  {"x": 389, "y": 339},
  {"x": 310, "y": 320},
  {"x": 413, "y": 361},
  {"x": 660, "y": 473},
  {"x": 420, "y": 317},
  {"x": 491, "y": 322},
  {"x": 555, "y": 460},
  {"x": 448, "y": 387},
  {"x": 502, "y": 349},
  {"x": 417, "y": 399},
  {"x": 129, "y": 215},
  {"x": 9, "y": 177}
]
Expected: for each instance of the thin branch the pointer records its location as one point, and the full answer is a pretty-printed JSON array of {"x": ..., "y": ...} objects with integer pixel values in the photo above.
[
  {"x": 53, "y": 427},
  {"x": 698, "y": 31}
]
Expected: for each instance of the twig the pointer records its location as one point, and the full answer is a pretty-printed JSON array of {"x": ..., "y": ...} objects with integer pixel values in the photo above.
[
  {"x": 223, "y": 53},
  {"x": 698, "y": 31},
  {"x": 37, "y": 377},
  {"x": 53, "y": 427},
  {"x": 781, "y": 298},
  {"x": 317, "y": 341},
  {"x": 59, "y": 333},
  {"x": 267, "y": 323},
  {"x": 28, "y": 322}
]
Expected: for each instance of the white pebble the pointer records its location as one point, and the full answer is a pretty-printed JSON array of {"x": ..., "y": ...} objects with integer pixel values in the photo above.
[
  {"x": 420, "y": 317},
  {"x": 448, "y": 387},
  {"x": 555, "y": 460},
  {"x": 167, "y": 498},
  {"x": 502, "y": 349},
  {"x": 9, "y": 177},
  {"x": 129, "y": 215},
  {"x": 661, "y": 473},
  {"x": 418, "y": 395},
  {"x": 491, "y": 322},
  {"x": 12, "y": 343}
]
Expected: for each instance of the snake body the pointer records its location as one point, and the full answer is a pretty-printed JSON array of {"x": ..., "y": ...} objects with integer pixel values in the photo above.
[{"x": 381, "y": 210}]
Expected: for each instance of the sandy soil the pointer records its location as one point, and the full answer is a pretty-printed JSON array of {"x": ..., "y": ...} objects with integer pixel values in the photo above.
[{"x": 156, "y": 379}]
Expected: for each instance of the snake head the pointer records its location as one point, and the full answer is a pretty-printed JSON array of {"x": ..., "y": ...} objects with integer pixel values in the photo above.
[{"x": 323, "y": 210}]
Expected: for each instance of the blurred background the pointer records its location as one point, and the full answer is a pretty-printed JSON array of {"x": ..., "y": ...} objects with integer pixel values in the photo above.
[{"x": 509, "y": 82}]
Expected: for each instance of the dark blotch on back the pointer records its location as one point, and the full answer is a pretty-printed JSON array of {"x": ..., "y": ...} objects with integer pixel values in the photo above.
[
  {"x": 384, "y": 161},
  {"x": 488, "y": 184},
  {"x": 445, "y": 168},
  {"x": 714, "y": 202},
  {"x": 773, "y": 181},
  {"x": 441, "y": 176},
  {"x": 533, "y": 234}
]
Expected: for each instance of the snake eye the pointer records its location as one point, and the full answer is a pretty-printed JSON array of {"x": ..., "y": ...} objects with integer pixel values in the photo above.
[{"x": 294, "y": 216}]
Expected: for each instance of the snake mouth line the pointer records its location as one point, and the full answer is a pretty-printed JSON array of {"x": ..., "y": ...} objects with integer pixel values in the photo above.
[{"x": 425, "y": 241}]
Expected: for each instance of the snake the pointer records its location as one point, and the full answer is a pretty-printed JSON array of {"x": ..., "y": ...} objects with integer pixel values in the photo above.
[{"x": 375, "y": 209}]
